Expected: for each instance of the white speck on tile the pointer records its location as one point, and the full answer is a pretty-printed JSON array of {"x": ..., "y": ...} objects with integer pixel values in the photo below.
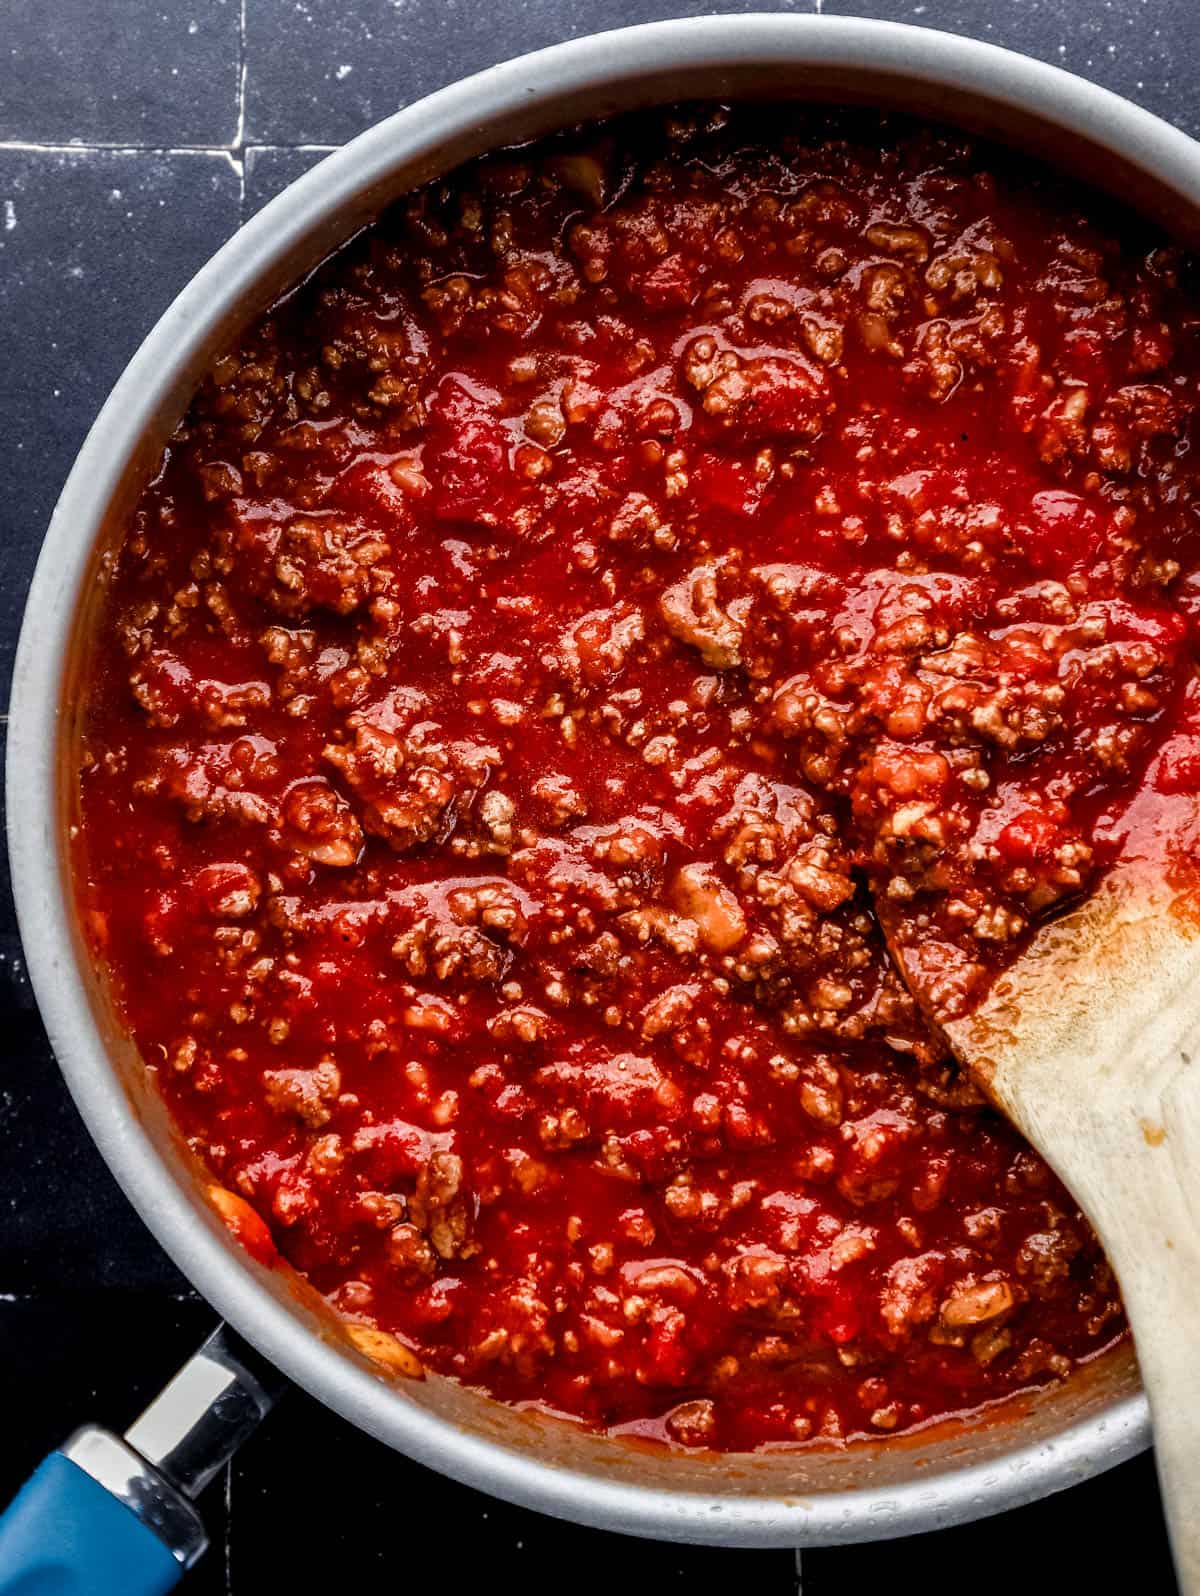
[
  {"x": 75, "y": 271},
  {"x": 10, "y": 216},
  {"x": 193, "y": 27},
  {"x": 343, "y": 72},
  {"x": 115, "y": 194}
]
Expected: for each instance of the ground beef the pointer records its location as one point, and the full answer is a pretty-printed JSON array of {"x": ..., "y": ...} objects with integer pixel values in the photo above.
[{"x": 566, "y": 643}]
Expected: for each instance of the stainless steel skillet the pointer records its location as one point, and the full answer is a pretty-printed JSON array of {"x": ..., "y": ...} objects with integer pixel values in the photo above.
[{"x": 940, "y": 1477}]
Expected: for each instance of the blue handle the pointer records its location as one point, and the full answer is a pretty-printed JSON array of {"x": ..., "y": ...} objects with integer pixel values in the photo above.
[{"x": 65, "y": 1535}]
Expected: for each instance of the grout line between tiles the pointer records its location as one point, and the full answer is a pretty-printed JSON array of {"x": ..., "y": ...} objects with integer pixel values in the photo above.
[
  {"x": 799, "y": 1560},
  {"x": 239, "y": 132},
  {"x": 77, "y": 147},
  {"x": 233, "y": 151}
]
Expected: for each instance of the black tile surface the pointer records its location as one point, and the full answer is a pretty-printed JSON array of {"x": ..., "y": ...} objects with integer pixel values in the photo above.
[
  {"x": 93, "y": 244},
  {"x": 159, "y": 73},
  {"x": 1105, "y": 1538},
  {"x": 319, "y": 71},
  {"x": 1143, "y": 49},
  {"x": 270, "y": 168},
  {"x": 283, "y": 1478}
]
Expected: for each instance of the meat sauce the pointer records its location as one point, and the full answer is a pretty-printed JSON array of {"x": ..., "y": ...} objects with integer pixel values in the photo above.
[{"x": 548, "y": 634}]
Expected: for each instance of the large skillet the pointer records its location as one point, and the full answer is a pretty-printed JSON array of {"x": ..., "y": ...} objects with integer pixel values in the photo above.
[{"x": 1024, "y": 1449}]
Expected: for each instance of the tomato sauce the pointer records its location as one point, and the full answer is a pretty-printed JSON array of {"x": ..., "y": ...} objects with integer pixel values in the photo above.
[{"x": 550, "y": 634}]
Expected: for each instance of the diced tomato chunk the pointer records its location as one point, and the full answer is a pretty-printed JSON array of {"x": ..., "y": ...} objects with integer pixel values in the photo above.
[
  {"x": 468, "y": 455},
  {"x": 730, "y": 484},
  {"x": 1030, "y": 837}
]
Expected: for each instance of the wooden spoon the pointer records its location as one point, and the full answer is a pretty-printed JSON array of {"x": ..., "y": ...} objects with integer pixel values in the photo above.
[{"x": 1090, "y": 1043}]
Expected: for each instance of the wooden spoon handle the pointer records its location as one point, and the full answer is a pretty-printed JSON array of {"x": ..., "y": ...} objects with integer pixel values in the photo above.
[
  {"x": 1160, "y": 1282},
  {"x": 1151, "y": 1224},
  {"x": 1131, "y": 1156},
  {"x": 1090, "y": 1043},
  {"x": 1168, "y": 1359}
]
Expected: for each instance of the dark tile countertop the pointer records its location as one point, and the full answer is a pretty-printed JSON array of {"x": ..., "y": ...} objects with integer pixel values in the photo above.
[{"x": 134, "y": 138}]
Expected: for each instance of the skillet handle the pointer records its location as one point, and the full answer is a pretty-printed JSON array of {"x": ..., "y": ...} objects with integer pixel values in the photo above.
[
  {"x": 66, "y": 1534},
  {"x": 108, "y": 1515}
]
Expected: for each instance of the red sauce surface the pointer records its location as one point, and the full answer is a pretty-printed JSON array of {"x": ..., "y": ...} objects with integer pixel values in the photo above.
[{"x": 545, "y": 634}]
